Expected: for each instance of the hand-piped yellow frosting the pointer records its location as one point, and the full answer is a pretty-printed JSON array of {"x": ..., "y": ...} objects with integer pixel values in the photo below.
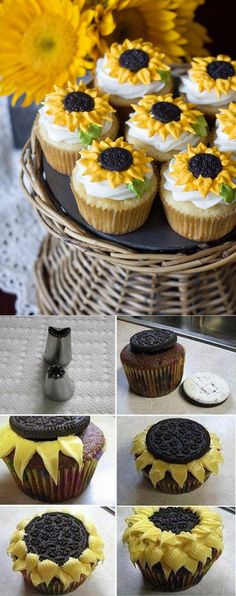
[
  {"x": 150, "y": 545},
  {"x": 210, "y": 461},
  {"x": 71, "y": 446},
  {"x": 199, "y": 74},
  {"x": 44, "y": 571},
  {"x": 227, "y": 119},
  {"x": 152, "y": 72}
]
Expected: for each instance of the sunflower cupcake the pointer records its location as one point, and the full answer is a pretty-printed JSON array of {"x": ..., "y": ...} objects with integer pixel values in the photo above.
[
  {"x": 174, "y": 547},
  {"x": 210, "y": 83},
  {"x": 164, "y": 126},
  {"x": 177, "y": 455},
  {"x": 198, "y": 193},
  {"x": 114, "y": 185},
  {"x": 225, "y": 130},
  {"x": 71, "y": 117},
  {"x": 55, "y": 551}
]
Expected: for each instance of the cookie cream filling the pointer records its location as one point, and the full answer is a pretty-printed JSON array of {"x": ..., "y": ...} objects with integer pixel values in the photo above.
[
  {"x": 223, "y": 141},
  {"x": 179, "y": 194},
  {"x": 110, "y": 85},
  {"x": 57, "y": 133},
  {"x": 102, "y": 189},
  {"x": 170, "y": 143},
  {"x": 191, "y": 90}
]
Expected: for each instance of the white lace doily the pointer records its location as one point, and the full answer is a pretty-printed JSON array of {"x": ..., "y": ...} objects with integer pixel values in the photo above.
[{"x": 21, "y": 233}]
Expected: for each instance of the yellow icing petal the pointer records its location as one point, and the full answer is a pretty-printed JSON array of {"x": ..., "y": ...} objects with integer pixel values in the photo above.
[
  {"x": 144, "y": 460},
  {"x": 36, "y": 578},
  {"x": 179, "y": 473},
  {"x": 7, "y": 440},
  {"x": 197, "y": 470},
  {"x": 23, "y": 453},
  {"x": 73, "y": 447},
  {"x": 32, "y": 561},
  {"x": 64, "y": 577},
  {"x": 88, "y": 556},
  {"x": 49, "y": 452},
  {"x": 18, "y": 535},
  {"x": 73, "y": 568},
  {"x": 19, "y": 565},
  {"x": 47, "y": 570},
  {"x": 158, "y": 471},
  {"x": 18, "y": 549}
]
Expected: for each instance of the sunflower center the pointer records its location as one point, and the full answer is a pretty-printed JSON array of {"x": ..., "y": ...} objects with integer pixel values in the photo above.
[
  {"x": 175, "y": 519},
  {"x": 205, "y": 165},
  {"x": 115, "y": 159},
  {"x": 56, "y": 372},
  {"x": 220, "y": 69},
  {"x": 134, "y": 60},
  {"x": 165, "y": 112},
  {"x": 49, "y": 44},
  {"x": 77, "y": 101}
]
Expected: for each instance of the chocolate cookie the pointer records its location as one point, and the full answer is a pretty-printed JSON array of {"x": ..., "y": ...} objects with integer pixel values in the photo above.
[
  {"x": 152, "y": 341},
  {"x": 178, "y": 440},
  {"x": 175, "y": 519},
  {"x": 44, "y": 428}
]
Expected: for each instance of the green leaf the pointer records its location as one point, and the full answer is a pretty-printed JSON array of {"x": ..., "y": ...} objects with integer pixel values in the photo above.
[
  {"x": 93, "y": 132},
  {"x": 139, "y": 187},
  {"x": 165, "y": 75},
  {"x": 200, "y": 126},
  {"x": 227, "y": 193}
]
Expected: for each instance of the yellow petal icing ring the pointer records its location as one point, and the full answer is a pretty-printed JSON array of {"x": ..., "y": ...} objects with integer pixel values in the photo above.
[
  {"x": 156, "y": 63},
  {"x": 199, "y": 74},
  {"x": 227, "y": 120}
]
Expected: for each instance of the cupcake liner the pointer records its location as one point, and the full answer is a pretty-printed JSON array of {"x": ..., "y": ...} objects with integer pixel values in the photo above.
[
  {"x": 55, "y": 586},
  {"x": 170, "y": 486},
  {"x": 155, "y": 382},
  {"x": 61, "y": 160},
  {"x": 179, "y": 581},
  {"x": 38, "y": 484},
  {"x": 200, "y": 228}
]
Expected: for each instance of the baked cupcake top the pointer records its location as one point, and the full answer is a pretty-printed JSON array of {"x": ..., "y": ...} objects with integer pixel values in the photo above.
[
  {"x": 166, "y": 122},
  {"x": 177, "y": 446},
  {"x": 56, "y": 544},
  {"x": 76, "y": 113},
  {"x": 132, "y": 69},
  {"x": 152, "y": 341},
  {"x": 202, "y": 175},
  {"x": 114, "y": 169},
  {"x": 175, "y": 537},
  {"x": 210, "y": 80},
  {"x": 47, "y": 436},
  {"x": 225, "y": 137}
]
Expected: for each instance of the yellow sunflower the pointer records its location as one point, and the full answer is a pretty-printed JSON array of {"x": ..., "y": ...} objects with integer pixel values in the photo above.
[
  {"x": 41, "y": 44},
  {"x": 218, "y": 74},
  {"x": 154, "y": 69},
  {"x": 101, "y": 153},
  {"x": 56, "y": 107},
  {"x": 194, "y": 33},
  {"x": 227, "y": 119},
  {"x": 204, "y": 174},
  {"x": 186, "y": 118}
]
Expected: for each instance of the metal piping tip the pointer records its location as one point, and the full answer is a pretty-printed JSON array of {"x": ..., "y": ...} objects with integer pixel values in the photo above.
[
  {"x": 57, "y": 385},
  {"x": 58, "y": 346}
]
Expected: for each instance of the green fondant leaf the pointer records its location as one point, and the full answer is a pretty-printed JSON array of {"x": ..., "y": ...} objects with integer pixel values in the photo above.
[
  {"x": 200, "y": 126},
  {"x": 227, "y": 193},
  {"x": 93, "y": 132},
  {"x": 139, "y": 187},
  {"x": 165, "y": 75}
]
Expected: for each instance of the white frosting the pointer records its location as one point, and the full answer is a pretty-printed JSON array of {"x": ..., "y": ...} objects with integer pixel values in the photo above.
[
  {"x": 57, "y": 133},
  {"x": 169, "y": 144},
  {"x": 125, "y": 90},
  {"x": 181, "y": 195},
  {"x": 103, "y": 189},
  {"x": 191, "y": 90},
  {"x": 222, "y": 140}
]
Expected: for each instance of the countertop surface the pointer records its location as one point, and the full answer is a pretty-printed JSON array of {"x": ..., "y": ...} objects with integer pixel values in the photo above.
[
  {"x": 102, "y": 580},
  {"x": 94, "y": 494},
  {"x": 199, "y": 357},
  {"x": 220, "y": 579},
  {"x": 134, "y": 489}
]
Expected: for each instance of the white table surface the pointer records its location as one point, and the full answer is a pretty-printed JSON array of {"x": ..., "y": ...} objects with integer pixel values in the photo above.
[
  {"x": 94, "y": 494},
  {"x": 219, "y": 581},
  {"x": 199, "y": 356},
  {"x": 134, "y": 489},
  {"x": 102, "y": 580}
]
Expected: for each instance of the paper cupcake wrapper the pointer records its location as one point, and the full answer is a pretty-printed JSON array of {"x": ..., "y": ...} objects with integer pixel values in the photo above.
[
  {"x": 197, "y": 228},
  {"x": 157, "y": 381},
  {"x": 182, "y": 580},
  {"x": 62, "y": 161},
  {"x": 170, "y": 486},
  {"x": 38, "y": 484},
  {"x": 55, "y": 586}
]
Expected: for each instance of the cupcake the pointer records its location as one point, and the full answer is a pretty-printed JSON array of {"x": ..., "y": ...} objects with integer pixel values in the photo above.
[
  {"x": 225, "y": 131},
  {"x": 51, "y": 458},
  {"x": 163, "y": 126},
  {"x": 153, "y": 362},
  {"x": 130, "y": 70},
  {"x": 55, "y": 551},
  {"x": 69, "y": 120},
  {"x": 210, "y": 83},
  {"x": 177, "y": 455},
  {"x": 174, "y": 547},
  {"x": 198, "y": 193},
  {"x": 114, "y": 185}
]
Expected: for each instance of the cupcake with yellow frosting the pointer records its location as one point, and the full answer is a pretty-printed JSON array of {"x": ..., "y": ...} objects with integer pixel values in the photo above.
[
  {"x": 71, "y": 117},
  {"x": 174, "y": 547},
  {"x": 198, "y": 192},
  {"x": 210, "y": 83},
  {"x": 51, "y": 458},
  {"x": 164, "y": 125},
  {"x": 114, "y": 185},
  {"x": 225, "y": 129},
  {"x": 177, "y": 455},
  {"x": 56, "y": 551}
]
